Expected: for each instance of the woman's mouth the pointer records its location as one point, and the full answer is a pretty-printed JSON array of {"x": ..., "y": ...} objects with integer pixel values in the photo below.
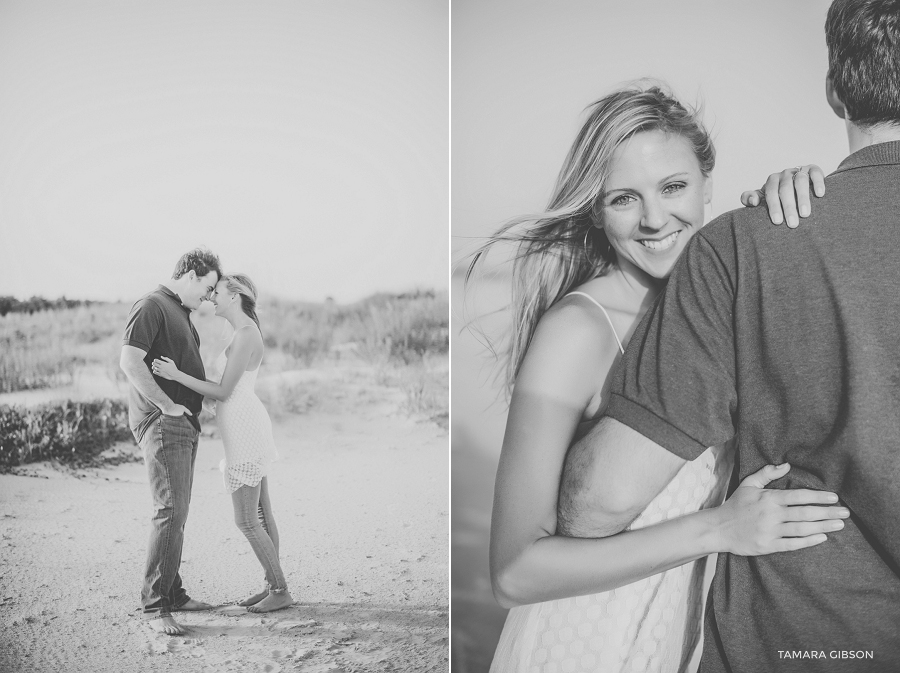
[{"x": 660, "y": 244}]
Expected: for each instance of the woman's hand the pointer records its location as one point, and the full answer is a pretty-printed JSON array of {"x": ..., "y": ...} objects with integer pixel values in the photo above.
[
  {"x": 787, "y": 192},
  {"x": 165, "y": 368},
  {"x": 756, "y": 520}
]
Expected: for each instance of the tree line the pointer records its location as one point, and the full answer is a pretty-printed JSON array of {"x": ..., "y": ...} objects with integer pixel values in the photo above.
[{"x": 13, "y": 305}]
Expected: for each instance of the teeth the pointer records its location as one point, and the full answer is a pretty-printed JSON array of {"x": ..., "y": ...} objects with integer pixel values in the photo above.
[{"x": 661, "y": 244}]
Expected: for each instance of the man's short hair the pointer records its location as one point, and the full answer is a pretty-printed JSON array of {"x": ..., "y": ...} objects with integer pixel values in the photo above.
[
  {"x": 199, "y": 260},
  {"x": 863, "y": 38}
]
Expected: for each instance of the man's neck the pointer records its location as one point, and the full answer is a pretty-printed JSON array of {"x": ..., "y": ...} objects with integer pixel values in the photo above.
[
  {"x": 863, "y": 137},
  {"x": 174, "y": 286}
]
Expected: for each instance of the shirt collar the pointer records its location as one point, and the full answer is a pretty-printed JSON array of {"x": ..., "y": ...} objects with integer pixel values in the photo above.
[
  {"x": 879, "y": 154},
  {"x": 166, "y": 291}
]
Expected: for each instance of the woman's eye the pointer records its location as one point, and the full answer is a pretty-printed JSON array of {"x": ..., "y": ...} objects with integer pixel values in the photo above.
[
  {"x": 622, "y": 200},
  {"x": 674, "y": 187}
]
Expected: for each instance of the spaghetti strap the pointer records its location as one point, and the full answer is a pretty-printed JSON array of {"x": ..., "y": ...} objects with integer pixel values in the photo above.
[{"x": 608, "y": 319}]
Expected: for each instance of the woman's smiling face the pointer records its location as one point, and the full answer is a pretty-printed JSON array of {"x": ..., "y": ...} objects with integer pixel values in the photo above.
[
  {"x": 222, "y": 298},
  {"x": 653, "y": 201}
]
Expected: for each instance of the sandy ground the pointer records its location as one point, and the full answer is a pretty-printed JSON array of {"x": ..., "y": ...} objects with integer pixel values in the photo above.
[{"x": 360, "y": 495}]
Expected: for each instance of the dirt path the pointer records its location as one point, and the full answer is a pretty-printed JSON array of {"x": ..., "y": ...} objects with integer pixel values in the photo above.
[{"x": 360, "y": 498}]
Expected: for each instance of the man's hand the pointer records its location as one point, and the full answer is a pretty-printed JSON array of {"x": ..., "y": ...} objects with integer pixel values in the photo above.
[{"x": 176, "y": 410}]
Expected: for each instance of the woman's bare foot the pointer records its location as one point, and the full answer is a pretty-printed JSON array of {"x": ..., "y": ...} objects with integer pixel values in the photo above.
[
  {"x": 166, "y": 625},
  {"x": 273, "y": 602},
  {"x": 255, "y": 598}
]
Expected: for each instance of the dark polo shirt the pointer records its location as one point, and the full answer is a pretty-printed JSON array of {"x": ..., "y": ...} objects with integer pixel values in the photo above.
[
  {"x": 790, "y": 339},
  {"x": 159, "y": 324}
]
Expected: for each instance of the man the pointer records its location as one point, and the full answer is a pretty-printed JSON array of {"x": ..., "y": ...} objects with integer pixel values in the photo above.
[
  {"x": 163, "y": 418},
  {"x": 790, "y": 341}
]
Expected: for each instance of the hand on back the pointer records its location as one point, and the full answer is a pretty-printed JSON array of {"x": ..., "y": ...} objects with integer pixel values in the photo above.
[
  {"x": 164, "y": 368},
  {"x": 756, "y": 520}
]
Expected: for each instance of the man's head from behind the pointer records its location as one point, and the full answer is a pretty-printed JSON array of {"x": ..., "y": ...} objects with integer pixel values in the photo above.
[
  {"x": 863, "y": 38},
  {"x": 195, "y": 276}
]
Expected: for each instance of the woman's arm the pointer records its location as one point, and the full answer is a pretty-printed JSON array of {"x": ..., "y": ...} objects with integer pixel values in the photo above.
[
  {"x": 787, "y": 192},
  {"x": 568, "y": 354},
  {"x": 238, "y": 358},
  {"x": 531, "y": 563},
  {"x": 754, "y": 521}
]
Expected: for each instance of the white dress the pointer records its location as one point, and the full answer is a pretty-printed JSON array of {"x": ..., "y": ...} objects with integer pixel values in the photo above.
[
  {"x": 246, "y": 435},
  {"x": 651, "y": 625}
]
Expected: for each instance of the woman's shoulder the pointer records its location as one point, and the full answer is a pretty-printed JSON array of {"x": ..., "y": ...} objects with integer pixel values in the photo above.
[
  {"x": 574, "y": 325},
  {"x": 571, "y": 350},
  {"x": 247, "y": 336},
  {"x": 586, "y": 309},
  {"x": 574, "y": 316},
  {"x": 248, "y": 332}
]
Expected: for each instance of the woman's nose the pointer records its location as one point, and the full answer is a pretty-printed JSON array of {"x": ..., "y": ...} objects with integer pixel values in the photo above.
[{"x": 654, "y": 216}]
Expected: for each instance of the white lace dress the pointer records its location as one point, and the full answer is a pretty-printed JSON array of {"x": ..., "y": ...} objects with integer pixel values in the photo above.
[
  {"x": 246, "y": 435},
  {"x": 651, "y": 625}
]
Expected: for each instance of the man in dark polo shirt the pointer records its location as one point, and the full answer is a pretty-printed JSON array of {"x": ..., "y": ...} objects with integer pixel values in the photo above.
[
  {"x": 163, "y": 417},
  {"x": 788, "y": 339}
]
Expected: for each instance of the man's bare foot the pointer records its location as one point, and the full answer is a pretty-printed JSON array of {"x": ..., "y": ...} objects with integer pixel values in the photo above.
[
  {"x": 166, "y": 625},
  {"x": 255, "y": 598},
  {"x": 273, "y": 602},
  {"x": 195, "y": 606}
]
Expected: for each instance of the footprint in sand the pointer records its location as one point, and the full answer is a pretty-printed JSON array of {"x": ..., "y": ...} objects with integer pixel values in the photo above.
[
  {"x": 262, "y": 665},
  {"x": 233, "y": 610},
  {"x": 186, "y": 647},
  {"x": 183, "y": 647},
  {"x": 288, "y": 624},
  {"x": 246, "y": 664}
]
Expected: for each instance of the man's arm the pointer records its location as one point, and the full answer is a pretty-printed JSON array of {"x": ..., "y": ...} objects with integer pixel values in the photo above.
[
  {"x": 132, "y": 363},
  {"x": 609, "y": 477},
  {"x": 676, "y": 388}
]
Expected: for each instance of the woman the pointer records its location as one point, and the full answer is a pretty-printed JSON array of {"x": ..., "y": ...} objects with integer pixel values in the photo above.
[
  {"x": 246, "y": 433},
  {"x": 631, "y": 193}
]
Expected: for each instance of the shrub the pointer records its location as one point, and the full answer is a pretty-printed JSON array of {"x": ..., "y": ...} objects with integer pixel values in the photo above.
[{"x": 71, "y": 432}]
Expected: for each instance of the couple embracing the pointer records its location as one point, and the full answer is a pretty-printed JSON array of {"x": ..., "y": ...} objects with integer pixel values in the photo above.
[
  {"x": 762, "y": 364},
  {"x": 161, "y": 358}
]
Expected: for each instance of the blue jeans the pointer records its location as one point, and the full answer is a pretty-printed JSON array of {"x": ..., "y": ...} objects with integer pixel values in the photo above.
[
  {"x": 253, "y": 516},
  {"x": 170, "y": 448}
]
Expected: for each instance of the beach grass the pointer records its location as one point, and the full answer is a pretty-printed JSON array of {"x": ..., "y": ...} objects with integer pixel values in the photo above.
[
  {"x": 404, "y": 338},
  {"x": 44, "y": 349}
]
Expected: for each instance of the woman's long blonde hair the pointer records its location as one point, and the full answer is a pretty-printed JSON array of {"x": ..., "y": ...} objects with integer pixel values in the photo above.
[
  {"x": 241, "y": 285},
  {"x": 562, "y": 248}
]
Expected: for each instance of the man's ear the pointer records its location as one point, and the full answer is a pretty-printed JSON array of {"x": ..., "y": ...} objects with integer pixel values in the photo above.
[{"x": 833, "y": 101}]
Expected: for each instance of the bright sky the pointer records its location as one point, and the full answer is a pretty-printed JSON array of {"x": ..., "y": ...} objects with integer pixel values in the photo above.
[
  {"x": 304, "y": 142},
  {"x": 524, "y": 71}
]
